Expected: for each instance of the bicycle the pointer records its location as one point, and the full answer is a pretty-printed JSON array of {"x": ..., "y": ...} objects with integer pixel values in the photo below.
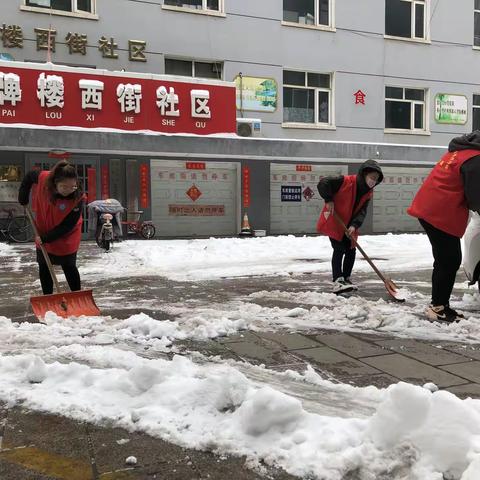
[
  {"x": 145, "y": 228},
  {"x": 16, "y": 228}
]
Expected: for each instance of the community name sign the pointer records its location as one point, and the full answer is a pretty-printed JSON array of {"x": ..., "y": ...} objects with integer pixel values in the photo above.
[{"x": 56, "y": 96}]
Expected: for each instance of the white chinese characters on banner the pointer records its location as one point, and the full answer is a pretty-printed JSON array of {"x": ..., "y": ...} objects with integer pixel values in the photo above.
[
  {"x": 167, "y": 100},
  {"x": 51, "y": 94},
  {"x": 10, "y": 88},
  {"x": 91, "y": 94},
  {"x": 200, "y": 108},
  {"x": 129, "y": 97},
  {"x": 50, "y": 91}
]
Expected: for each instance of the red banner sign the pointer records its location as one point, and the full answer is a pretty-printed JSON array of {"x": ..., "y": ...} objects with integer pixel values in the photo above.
[
  {"x": 105, "y": 182},
  {"x": 144, "y": 180},
  {"x": 57, "y": 96},
  {"x": 91, "y": 184},
  {"x": 196, "y": 210},
  {"x": 195, "y": 165},
  {"x": 303, "y": 168},
  {"x": 246, "y": 186}
]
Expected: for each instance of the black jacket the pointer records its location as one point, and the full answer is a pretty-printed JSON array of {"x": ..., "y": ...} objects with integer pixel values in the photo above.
[
  {"x": 329, "y": 186},
  {"x": 470, "y": 170}
]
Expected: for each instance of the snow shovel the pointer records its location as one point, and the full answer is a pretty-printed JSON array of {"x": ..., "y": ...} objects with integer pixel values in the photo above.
[
  {"x": 64, "y": 304},
  {"x": 389, "y": 284}
]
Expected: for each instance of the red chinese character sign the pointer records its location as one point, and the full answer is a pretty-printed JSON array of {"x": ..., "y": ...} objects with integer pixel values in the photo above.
[
  {"x": 57, "y": 96},
  {"x": 194, "y": 193},
  {"x": 246, "y": 186},
  {"x": 91, "y": 184},
  {"x": 105, "y": 182},
  {"x": 144, "y": 183},
  {"x": 359, "y": 97}
]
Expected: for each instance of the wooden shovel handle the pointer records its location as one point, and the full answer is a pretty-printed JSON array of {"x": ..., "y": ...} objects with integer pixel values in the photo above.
[
  {"x": 388, "y": 283},
  {"x": 44, "y": 252}
]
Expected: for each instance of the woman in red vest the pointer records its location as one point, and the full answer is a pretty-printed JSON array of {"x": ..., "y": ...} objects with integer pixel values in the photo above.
[
  {"x": 349, "y": 195},
  {"x": 442, "y": 205},
  {"x": 57, "y": 204}
]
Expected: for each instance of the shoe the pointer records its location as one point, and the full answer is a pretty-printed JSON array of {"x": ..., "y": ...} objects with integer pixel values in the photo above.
[
  {"x": 339, "y": 286},
  {"x": 442, "y": 313},
  {"x": 349, "y": 282},
  {"x": 453, "y": 312}
]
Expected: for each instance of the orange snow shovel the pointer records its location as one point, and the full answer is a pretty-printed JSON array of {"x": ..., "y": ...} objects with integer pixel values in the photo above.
[
  {"x": 64, "y": 304},
  {"x": 389, "y": 284}
]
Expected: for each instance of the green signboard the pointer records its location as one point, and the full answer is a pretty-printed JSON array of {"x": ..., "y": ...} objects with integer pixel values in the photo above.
[
  {"x": 256, "y": 94},
  {"x": 451, "y": 109}
]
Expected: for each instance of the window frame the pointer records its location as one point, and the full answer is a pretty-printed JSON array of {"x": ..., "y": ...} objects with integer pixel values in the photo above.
[
  {"x": 317, "y": 26},
  {"x": 73, "y": 13},
  {"x": 426, "y": 23},
  {"x": 193, "y": 61},
  {"x": 330, "y": 125},
  {"x": 426, "y": 117},
  {"x": 475, "y": 107},
  {"x": 475, "y": 12},
  {"x": 203, "y": 11}
]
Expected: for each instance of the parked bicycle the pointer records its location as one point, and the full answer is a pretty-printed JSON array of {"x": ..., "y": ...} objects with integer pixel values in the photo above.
[
  {"x": 144, "y": 228},
  {"x": 16, "y": 228}
]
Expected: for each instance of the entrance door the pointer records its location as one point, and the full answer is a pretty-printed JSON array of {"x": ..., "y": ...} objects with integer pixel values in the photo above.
[{"x": 43, "y": 162}]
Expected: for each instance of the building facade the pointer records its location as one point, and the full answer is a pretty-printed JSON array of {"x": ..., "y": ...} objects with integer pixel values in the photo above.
[{"x": 321, "y": 86}]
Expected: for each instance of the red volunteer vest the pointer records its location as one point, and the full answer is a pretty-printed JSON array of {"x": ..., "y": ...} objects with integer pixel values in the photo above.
[
  {"x": 49, "y": 213},
  {"x": 441, "y": 199},
  {"x": 344, "y": 200}
]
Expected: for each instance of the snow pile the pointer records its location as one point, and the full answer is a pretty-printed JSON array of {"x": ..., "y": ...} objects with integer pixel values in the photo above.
[
  {"x": 412, "y": 430},
  {"x": 213, "y": 258},
  {"x": 6, "y": 250}
]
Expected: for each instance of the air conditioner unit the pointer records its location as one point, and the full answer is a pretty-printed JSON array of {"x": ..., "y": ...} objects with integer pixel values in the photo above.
[{"x": 249, "y": 127}]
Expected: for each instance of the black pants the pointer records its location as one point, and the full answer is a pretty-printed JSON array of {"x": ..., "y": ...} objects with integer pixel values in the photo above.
[
  {"x": 343, "y": 257},
  {"x": 69, "y": 267},
  {"x": 447, "y": 255}
]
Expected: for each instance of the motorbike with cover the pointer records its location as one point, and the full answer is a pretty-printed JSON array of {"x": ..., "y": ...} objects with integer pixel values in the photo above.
[{"x": 104, "y": 221}]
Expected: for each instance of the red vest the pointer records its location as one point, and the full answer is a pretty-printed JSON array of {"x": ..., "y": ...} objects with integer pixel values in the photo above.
[
  {"x": 49, "y": 213},
  {"x": 441, "y": 199},
  {"x": 344, "y": 200}
]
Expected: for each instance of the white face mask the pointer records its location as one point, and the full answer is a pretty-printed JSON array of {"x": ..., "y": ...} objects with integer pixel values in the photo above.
[{"x": 370, "y": 182}]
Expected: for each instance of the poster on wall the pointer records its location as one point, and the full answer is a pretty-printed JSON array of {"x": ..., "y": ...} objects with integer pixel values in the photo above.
[
  {"x": 256, "y": 94},
  {"x": 451, "y": 109},
  {"x": 291, "y": 193}
]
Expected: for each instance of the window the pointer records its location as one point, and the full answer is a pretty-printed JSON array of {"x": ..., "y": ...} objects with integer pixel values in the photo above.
[
  {"x": 81, "y": 6},
  {"x": 476, "y": 24},
  {"x": 405, "y": 18},
  {"x": 189, "y": 68},
  {"x": 10, "y": 177},
  {"x": 476, "y": 113},
  {"x": 307, "y": 12},
  {"x": 307, "y": 97},
  {"x": 404, "y": 108},
  {"x": 209, "y": 5}
]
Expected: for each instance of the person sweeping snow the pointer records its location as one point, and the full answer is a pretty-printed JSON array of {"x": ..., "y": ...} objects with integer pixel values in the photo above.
[
  {"x": 442, "y": 207},
  {"x": 348, "y": 196},
  {"x": 57, "y": 203}
]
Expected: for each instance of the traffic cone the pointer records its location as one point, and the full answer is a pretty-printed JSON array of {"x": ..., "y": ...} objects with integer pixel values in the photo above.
[{"x": 246, "y": 230}]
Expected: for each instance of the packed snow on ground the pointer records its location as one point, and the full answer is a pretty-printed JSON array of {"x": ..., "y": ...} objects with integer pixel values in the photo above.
[
  {"x": 410, "y": 431},
  {"x": 214, "y": 258},
  {"x": 86, "y": 368}
]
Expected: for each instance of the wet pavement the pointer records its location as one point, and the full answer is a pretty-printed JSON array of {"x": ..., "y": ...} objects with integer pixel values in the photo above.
[{"x": 34, "y": 445}]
